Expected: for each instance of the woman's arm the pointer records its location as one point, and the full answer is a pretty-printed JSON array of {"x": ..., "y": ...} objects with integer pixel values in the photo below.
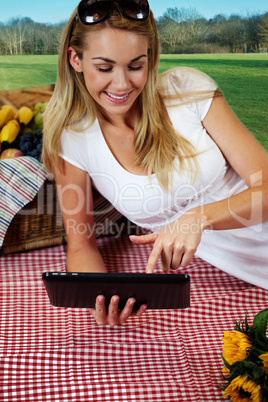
[
  {"x": 247, "y": 157},
  {"x": 178, "y": 242},
  {"x": 75, "y": 197}
]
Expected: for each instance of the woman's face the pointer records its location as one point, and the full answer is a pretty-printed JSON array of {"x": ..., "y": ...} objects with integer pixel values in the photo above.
[{"x": 115, "y": 68}]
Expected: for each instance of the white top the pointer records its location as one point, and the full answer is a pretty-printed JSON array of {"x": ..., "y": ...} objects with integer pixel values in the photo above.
[{"x": 241, "y": 252}]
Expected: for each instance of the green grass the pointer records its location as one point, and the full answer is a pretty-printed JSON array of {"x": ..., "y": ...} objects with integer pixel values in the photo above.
[
  {"x": 243, "y": 78},
  {"x": 27, "y": 71}
]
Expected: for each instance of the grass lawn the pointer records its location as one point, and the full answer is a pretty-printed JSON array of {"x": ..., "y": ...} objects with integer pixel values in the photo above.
[
  {"x": 243, "y": 78},
  {"x": 27, "y": 71}
]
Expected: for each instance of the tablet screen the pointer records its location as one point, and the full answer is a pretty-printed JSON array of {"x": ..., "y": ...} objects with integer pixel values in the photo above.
[{"x": 158, "y": 291}]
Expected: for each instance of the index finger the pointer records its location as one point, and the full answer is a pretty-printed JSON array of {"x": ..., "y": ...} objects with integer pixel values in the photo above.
[{"x": 154, "y": 257}]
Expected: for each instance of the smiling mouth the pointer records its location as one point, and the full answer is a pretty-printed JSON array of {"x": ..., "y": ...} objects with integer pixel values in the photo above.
[{"x": 116, "y": 96}]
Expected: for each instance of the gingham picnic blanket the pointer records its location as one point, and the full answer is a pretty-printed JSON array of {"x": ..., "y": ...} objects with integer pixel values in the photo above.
[
  {"x": 59, "y": 354},
  {"x": 20, "y": 180}
]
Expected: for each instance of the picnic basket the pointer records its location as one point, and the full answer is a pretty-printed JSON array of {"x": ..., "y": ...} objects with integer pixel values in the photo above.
[{"x": 39, "y": 224}]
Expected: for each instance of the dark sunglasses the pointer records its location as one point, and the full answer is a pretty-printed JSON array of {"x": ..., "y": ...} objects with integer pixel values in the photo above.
[{"x": 94, "y": 11}]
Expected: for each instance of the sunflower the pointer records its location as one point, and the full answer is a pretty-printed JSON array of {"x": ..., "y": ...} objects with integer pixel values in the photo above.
[
  {"x": 264, "y": 359},
  {"x": 241, "y": 389},
  {"x": 235, "y": 347}
]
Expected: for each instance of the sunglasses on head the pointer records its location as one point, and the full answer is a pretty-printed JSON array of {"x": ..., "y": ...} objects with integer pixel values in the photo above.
[{"x": 94, "y": 11}]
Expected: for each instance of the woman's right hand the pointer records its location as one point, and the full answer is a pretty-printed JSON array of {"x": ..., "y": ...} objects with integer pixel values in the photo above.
[{"x": 113, "y": 316}]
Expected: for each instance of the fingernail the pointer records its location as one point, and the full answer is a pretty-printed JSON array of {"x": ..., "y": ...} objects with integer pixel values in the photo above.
[
  {"x": 149, "y": 271},
  {"x": 131, "y": 301},
  {"x": 115, "y": 299},
  {"x": 101, "y": 298}
]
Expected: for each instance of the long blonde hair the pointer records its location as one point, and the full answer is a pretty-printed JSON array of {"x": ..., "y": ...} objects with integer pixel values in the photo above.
[{"x": 157, "y": 144}]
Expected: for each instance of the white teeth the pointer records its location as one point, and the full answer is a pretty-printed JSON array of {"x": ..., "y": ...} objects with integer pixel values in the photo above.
[{"x": 116, "y": 97}]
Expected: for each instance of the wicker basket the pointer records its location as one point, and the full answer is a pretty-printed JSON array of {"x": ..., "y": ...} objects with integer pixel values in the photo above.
[{"x": 39, "y": 224}]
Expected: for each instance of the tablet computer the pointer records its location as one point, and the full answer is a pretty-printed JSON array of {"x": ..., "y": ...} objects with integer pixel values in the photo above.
[{"x": 158, "y": 291}]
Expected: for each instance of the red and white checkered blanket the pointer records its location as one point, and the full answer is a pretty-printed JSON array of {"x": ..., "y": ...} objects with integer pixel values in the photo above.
[{"x": 59, "y": 354}]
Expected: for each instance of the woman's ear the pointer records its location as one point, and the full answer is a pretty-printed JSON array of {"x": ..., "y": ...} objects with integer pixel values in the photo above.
[{"x": 74, "y": 60}]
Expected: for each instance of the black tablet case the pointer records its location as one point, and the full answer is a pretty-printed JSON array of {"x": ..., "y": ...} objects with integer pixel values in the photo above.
[{"x": 158, "y": 291}]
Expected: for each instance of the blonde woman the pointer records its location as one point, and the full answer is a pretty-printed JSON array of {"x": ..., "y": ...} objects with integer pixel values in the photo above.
[{"x": 166, "y": 151}]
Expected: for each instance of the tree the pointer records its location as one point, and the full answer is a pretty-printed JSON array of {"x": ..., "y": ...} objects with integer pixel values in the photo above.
[
  {"x": 181, "y": 27},
  {"x": 263, "y": 29},
  {"x": 191, "y": 23},
  {"x": 252, "y": 32},
  {"x": 168, "y": 33},
  {"x": 14, "y": 35},
  {"x": 219, "y": 19},
  {"x": 232, "y": 33},
  {"x": 24, "y": 36}
]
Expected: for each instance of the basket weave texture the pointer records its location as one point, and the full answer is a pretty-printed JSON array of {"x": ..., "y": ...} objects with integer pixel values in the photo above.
[{"x": 39, "y": 224}]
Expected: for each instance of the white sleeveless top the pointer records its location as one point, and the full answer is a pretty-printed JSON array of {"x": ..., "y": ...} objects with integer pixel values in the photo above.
[{"x": 241, "y": 252}]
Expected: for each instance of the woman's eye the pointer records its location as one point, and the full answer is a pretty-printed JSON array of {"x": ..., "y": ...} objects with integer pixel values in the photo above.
[
  {"x": 109, "y": 69},
  {"x": 135, "y": 68},
  {"x": 105, "y": 69}
]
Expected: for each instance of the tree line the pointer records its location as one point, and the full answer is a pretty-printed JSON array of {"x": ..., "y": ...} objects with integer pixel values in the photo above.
[
  {"x": 24, "y": 36},
  {"x": 182, "y": 30}
]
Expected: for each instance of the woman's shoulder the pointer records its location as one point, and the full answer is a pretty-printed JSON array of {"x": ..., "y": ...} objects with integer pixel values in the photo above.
[
  {"x": 81, "y": 131},
  {"x": 79, "y": 142},
  {"x": 185, "y": 80},
  {"x": 79, "y": 136}
]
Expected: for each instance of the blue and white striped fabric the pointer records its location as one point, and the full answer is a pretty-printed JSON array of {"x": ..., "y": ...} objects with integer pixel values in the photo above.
[{"x": 20, "y": 180}]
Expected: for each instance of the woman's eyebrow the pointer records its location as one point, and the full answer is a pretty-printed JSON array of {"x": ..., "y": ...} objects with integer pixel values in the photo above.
[
  {"x": 114, "y": 62},
  {"x": 138, "y": 58}
]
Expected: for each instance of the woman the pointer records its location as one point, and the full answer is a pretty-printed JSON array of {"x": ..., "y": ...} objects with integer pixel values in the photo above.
[{"x": 165, "y": 151}]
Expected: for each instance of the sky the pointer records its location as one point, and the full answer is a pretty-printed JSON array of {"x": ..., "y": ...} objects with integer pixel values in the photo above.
[{"x": 54, "y": 11}]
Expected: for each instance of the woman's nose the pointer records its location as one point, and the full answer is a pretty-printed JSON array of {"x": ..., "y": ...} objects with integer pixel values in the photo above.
[{"x": 121, "y": 79}]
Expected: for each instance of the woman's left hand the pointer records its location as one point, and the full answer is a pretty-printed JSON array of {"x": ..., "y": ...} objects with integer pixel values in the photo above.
[
  {"x": 175, "y": 243},
  {"x": 112, "y": 316}
]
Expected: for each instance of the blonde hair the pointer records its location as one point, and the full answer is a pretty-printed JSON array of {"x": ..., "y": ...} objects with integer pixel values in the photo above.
[{"x": 157, "y": 143}]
